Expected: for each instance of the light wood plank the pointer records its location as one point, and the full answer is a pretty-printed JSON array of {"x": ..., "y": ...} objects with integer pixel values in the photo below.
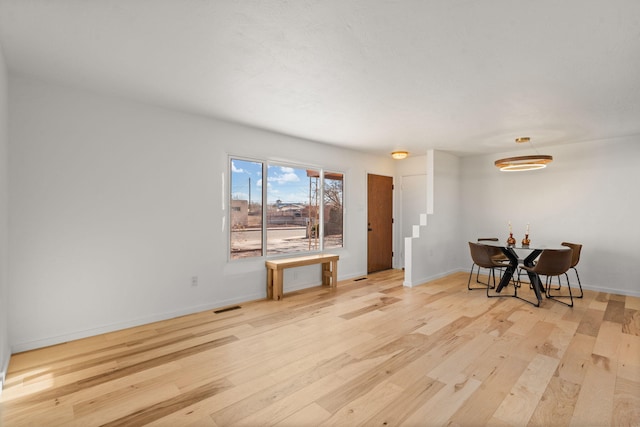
[
  {"x": 626, "y": 403},
  {"x": 438, "y": 409},
  {"x": 595, "y": 401},
  {"x": 313, "y": 411},
  {"x": 608, "y": 340},
  {"x": 368, "y": 352},
  {"x": 481, "y": 406},
  {"x": 557, "y": 403},
  {"x": 632, "y": 303},
  {"x": 519, "y": 405},
  {"x": 631, "y": 323}
]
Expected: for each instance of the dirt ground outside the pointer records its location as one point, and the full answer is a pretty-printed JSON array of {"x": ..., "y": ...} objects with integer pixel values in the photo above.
[{"x": 246, "y": 243}]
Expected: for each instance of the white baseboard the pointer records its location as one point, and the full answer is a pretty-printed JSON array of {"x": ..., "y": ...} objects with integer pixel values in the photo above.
[
  {"x": 3, "y": 372},
  {"x": 631, "y": 293},
  {"x": 422, "y": 281},
  {"x": 595, "y": 288},
  {"x": 58, "y": 339},
  {"x": 39, "y": 343}
]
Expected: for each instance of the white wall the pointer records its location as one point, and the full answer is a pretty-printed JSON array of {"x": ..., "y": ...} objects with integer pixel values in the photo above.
[
  {"x": 116, "y": 205},
  {"x": 409, "y": 205},
  {"x": 433, "y": 252},
  {"x": 5, "y": 351},
  {"x": 588, "y": 194}
]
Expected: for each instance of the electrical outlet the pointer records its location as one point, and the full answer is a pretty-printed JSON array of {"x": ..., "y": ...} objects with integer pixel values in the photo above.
[{"x": 194, "y": 280}]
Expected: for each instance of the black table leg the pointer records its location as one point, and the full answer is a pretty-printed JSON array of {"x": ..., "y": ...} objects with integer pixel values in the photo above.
[
  {"x": 533, "y": 277},
  {"x": 510, "y": 270}
]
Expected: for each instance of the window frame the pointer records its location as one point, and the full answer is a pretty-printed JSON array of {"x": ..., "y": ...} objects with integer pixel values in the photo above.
[
  {"x": 324, "y": 173},
  {"x": 228, "y": 199},
  {"x": 266, "y": 163}
]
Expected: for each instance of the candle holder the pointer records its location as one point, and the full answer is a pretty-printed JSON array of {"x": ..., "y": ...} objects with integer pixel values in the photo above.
[
  {"x": 526, "y": 241},
  {"x": 511, "y": 241}
]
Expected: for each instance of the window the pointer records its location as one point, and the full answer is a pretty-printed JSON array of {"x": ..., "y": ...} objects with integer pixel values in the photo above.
[
  {"x": 303, "y": 209},
  {"x": 246, "y": 208},
  {"x": 333, "y": 208}
]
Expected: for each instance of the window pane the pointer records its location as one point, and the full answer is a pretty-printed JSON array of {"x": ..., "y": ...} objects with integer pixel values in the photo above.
[
  {"x": 293, "y": 197},
  {"x": 333, "y": 210},
  {"x": 246, "y": 209}
]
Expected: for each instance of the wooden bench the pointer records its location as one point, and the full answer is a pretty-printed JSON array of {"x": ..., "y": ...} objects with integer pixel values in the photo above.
[{"x": 276, "y": 267}]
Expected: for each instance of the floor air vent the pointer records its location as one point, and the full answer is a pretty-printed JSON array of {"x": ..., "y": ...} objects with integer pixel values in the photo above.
[
  {"x": 222, "y": 310},
  {"x": 362, "y": 278}
]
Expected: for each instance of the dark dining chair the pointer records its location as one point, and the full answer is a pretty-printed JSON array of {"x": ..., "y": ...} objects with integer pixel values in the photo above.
[
  {"x": 496, "y": 254},
  {"x": 553, "y": 263},
  {"x": 482, "y": 256},
  {"x": 575, "y": 259}
]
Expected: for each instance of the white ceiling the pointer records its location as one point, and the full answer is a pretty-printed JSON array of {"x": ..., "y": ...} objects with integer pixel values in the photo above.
[{"x": 375, "y": 75}]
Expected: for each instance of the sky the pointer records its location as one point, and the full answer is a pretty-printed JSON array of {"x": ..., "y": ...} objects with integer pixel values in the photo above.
[{"x": 287, "y": 184}]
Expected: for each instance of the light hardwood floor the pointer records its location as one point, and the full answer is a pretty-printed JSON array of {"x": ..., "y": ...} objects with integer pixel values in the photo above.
[{"x": 370, "y": 352}]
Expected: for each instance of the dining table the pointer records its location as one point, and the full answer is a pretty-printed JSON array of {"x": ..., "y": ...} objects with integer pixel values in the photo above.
[{"x": 533, "y": 251}]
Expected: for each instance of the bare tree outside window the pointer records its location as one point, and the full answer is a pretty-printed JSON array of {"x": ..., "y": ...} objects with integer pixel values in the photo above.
[{"x": 333, "y": 210}]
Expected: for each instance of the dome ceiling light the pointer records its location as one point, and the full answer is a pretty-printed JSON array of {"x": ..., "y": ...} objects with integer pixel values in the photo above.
[{"x": 399, "y": 155}]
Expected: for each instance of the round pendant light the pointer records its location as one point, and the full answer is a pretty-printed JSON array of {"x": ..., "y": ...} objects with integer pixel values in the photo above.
[{"x": 523, "y": 163}]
